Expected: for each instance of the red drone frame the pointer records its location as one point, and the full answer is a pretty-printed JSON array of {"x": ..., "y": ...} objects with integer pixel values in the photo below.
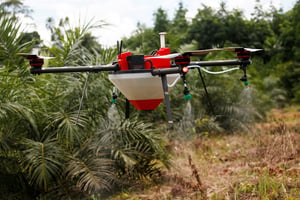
[{"x": 145, "y": 80}]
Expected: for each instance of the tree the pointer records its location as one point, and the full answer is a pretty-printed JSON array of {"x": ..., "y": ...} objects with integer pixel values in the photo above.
[
  {"x": 179, "y": 22},
  {"x": 31, "y": 37},
  {"x": 179, "y": 28},
  {"x": 143, "y": 40},
  {"x": 161, "y": 21},
  {"x": 237, "y": 29},
  {"x": 282, "y": 50},
  {"x": 207, "y": 28},
  {"x": 11, "y": 42},
  {"x": 14, "y": 8},
  {"x": 289, "y": 36},
  {"x": 51, "y": 150}
]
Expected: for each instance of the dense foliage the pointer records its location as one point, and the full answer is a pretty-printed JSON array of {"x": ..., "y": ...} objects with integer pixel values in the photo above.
[
  {"x": 275, "y": 70},
  {"x": 49, "y": 149}
]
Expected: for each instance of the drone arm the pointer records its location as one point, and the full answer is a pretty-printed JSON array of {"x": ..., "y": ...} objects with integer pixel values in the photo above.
[
  {"x": 40, "y": 70},
  {"x": 222, "y": 62},
  {"x": 164, "y": 71}
]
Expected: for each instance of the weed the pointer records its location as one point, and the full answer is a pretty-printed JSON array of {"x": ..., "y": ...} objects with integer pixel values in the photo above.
[
  {"x": 195, "y": 173},
  {"x": 262, "y": 165}
]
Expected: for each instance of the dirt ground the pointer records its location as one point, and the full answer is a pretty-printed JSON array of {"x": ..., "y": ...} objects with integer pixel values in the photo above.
[{"x": 261, "y": 164}]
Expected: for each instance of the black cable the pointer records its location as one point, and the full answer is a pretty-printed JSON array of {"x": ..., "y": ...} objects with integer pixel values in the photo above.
[
  {"x": 82, "y": 96},
  {"x": 207, "y": 95}
]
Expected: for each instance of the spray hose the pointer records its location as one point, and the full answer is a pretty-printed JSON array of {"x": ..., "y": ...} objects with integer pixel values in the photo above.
[
  {"x": 205, "y": 70},
  {"x": 174, "y": 82},
  {"x": 215, "y": 73}
]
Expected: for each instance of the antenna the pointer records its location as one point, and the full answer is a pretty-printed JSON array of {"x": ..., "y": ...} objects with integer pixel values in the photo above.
[{"x": 162, "y": 39}]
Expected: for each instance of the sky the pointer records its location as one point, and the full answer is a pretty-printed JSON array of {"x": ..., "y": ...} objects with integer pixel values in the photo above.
[{"x": 123, "y": 15}]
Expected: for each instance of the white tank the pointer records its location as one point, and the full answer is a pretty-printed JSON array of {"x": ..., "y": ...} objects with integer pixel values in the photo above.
[{"x": 143, "y": 90}]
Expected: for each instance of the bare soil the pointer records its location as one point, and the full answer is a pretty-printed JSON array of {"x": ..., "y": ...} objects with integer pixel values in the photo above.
[{"x": 261, "y": 164}]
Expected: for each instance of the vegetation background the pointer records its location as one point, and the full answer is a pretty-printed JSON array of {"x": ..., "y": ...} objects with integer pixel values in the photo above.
[{"x": 49, "y": 151}]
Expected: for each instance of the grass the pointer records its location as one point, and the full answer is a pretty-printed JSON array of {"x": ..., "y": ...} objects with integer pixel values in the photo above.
[{"x": 262, "y": 164}]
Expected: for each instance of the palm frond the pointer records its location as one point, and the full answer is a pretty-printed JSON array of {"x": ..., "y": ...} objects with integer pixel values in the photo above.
[
  {"x": 10, "y": 42},
  {"x": 132, "y": 144},
  {"x": 23, "y": 117},
  {"x": 91, "y": 171},
  {"x": 42, "y": 162},
  {"x": 68, "y": 48},
  {"x": 67, "y": 126}
]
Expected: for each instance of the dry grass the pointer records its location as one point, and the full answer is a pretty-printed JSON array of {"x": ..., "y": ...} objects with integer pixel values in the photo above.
[{"x": 263, "y": 164}]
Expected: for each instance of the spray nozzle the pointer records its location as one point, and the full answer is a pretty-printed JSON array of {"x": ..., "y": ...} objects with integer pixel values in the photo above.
[
  {"x": 186, "y": 91},
  {"x": 187, "y": 97},
  {"x": 245, "y": 80},
  {"x": 187, "y": 94},
  {"x": 244, "y": 77},
  {"x": 114, "y": 96}
]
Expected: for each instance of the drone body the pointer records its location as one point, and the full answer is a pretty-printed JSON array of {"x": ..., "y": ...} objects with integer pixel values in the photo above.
[
  {"x": 145, "y": 81},
  {"x": 135, "y": 81}
]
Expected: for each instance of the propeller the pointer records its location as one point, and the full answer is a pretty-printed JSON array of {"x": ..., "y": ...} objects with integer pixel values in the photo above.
[
  {"x": 172, "y": 55},
  {"x": 34, "y": 56},
  {"x": 242, "y": 48},
  {"x": 35, "y": 61},
  {"x": 205, "y": 51}
]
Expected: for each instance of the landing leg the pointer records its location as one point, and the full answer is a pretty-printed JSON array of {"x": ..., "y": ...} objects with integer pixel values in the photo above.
[
  {"x": 127, "y": 109},
  {"x": 167, "y": 100}
]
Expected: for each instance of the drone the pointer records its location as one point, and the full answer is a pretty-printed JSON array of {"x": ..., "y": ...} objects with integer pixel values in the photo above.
[{"x": 146, "y": 80}]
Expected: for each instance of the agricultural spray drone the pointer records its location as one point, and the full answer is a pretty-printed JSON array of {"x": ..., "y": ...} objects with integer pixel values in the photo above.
[{"x": 145, "y": 80}]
